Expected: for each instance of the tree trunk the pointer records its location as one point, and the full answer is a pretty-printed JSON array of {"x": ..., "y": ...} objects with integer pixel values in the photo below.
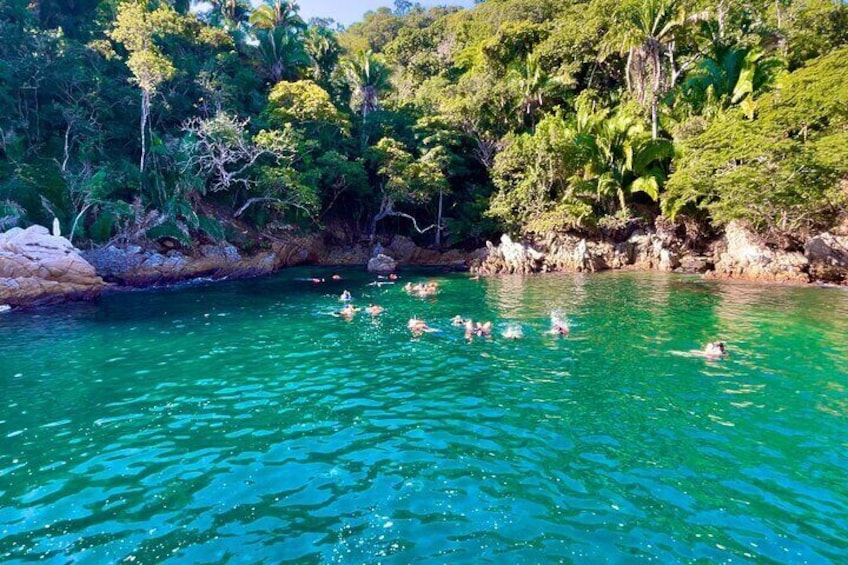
[
  {"x": 654, "y": 118},
  {"x": 385, "y": 207},
  {"x": 439, "y": 223},
  {"x": 145, "y": 113}
]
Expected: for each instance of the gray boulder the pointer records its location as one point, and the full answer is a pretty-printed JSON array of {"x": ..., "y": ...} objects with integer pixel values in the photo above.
[{"x": 381, "y": 264}]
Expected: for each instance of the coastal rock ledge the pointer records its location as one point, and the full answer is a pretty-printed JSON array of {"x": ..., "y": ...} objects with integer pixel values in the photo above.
[
  {"x": 39, "y": 268},
  {"x": 133, "y": 266}
]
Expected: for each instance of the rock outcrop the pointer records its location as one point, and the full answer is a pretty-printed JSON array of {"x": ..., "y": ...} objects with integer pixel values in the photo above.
[
  {"x": 510, "y": 257},
  {"x": 133, "y": 266},
  {"x": 39, "y": 268},
  {"x": 381, "y": 264},
  {"x": 746, "y": 257},
  {"x": 828, "y": 257},
  {"x": 568, "y": 253}
]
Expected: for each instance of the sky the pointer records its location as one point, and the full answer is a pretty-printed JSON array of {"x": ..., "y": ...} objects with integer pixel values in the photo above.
[{"x": 347, "y": 12}]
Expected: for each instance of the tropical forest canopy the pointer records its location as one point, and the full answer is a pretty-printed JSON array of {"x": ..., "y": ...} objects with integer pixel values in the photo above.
[{"x": 134, "y": 119}]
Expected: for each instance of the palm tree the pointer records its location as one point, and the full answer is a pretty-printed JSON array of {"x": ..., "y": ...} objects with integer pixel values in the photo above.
[
  {"x": 624, "y": 159},
  {"x": 367, "y": 76},
  {"x": 323, "y": 49},
  {"x": 532, "y": 83},
  {"x": 731, "y": 75},
  {"x": 228, "y": 13},
  {"x": 281, "y": 53},
  {"x": 277, "y": 13},
  {"x": 645, "y": 31}
]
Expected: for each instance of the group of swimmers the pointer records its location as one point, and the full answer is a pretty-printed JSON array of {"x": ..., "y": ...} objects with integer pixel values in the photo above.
[
  {"x": 421, "y": 290},
  {"x": 417, "y": 326}
]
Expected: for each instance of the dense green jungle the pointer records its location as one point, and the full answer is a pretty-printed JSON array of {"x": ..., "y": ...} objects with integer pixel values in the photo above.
[{"x": 133, "y": 121}]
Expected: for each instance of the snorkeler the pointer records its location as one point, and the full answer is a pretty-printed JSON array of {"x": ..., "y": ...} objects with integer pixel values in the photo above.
[
  {"x": 478, "y": 329},
  {"x": 345, "y": 297}
]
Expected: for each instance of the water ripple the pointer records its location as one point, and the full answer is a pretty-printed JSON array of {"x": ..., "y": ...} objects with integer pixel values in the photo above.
[{"x": 227, "y": 424}]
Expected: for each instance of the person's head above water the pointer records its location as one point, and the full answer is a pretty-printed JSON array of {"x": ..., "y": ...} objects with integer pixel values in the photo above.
[{"x": 715, "y": 349}]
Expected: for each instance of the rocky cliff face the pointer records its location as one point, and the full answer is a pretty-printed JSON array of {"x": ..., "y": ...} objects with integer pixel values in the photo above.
[
  {"x": 133, "y": 266},
  {"x": 39, "y": 268},
  {"x": 568, "y": 253},
  {"x": 828, "y": 257},
  {"x": 745, "y": 256},
  {"x": 738, "y": 254}
]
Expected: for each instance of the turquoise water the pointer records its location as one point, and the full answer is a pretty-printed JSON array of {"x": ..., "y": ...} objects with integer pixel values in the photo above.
[{"x": 237, "y": 422}]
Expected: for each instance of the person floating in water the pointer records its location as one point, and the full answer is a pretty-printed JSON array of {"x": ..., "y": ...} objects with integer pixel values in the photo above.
[
  {"x": 715, "y": 350},
  {"x": 336, "y": 277},
  {"x": 348, "y": 312},
  {"x": 374, "y": 309},
  {"x": 422, "y": 290},
  {"x": 458, "y": 321},
  {"x": 418, "y": 326},
  {"x": 346, "y": 297}
]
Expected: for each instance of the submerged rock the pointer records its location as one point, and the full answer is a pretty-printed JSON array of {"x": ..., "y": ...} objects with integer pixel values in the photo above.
[{"x": 39, "y": 268}]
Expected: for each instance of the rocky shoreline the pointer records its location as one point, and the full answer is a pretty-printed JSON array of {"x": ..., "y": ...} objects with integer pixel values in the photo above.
[
  {"x": 737, "y": 255},
  {"x": 37, "y": 268}
]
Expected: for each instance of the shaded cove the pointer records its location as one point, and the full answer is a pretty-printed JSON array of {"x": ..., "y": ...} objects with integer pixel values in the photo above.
[{"x": 241, "y": 422}]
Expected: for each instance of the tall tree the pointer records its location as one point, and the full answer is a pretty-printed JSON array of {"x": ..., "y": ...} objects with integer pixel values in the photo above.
[
  {"x": 645, "y": 31},
  {"x": 138, "y": 27},
  {"x": 367, "y": 77}
]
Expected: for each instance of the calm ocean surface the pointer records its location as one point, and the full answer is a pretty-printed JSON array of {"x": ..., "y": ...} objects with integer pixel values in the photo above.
[{"x": 238, "y": 422}]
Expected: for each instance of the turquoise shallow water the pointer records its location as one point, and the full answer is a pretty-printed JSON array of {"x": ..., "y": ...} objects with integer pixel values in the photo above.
[{"x": 237, "y": 422}]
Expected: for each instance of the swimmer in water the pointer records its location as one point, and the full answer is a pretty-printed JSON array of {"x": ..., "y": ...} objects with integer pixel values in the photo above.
[
  {"x": 559, "y": 326},
  {"x": 514, "y": 331},
  {"x": 336, "y": 277},
  {"x": 418, "y": 326},
  {"x": 348, "y": 312},
  {"x": 483, "y": 330},
  {"x": 345, "y": 297},
  {"x": 457, "y": 321},
  {"x": 715, "y": 350},
  {"x": 374, "y": 309}
]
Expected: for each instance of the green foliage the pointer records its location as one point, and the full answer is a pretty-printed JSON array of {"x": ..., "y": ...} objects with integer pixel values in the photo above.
[
  {"x": 783, "y": 172},
  {"x": 537, "y": 114},
  {"x": 303, "y": 102},
  {"x": 569, "y": 172}
]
